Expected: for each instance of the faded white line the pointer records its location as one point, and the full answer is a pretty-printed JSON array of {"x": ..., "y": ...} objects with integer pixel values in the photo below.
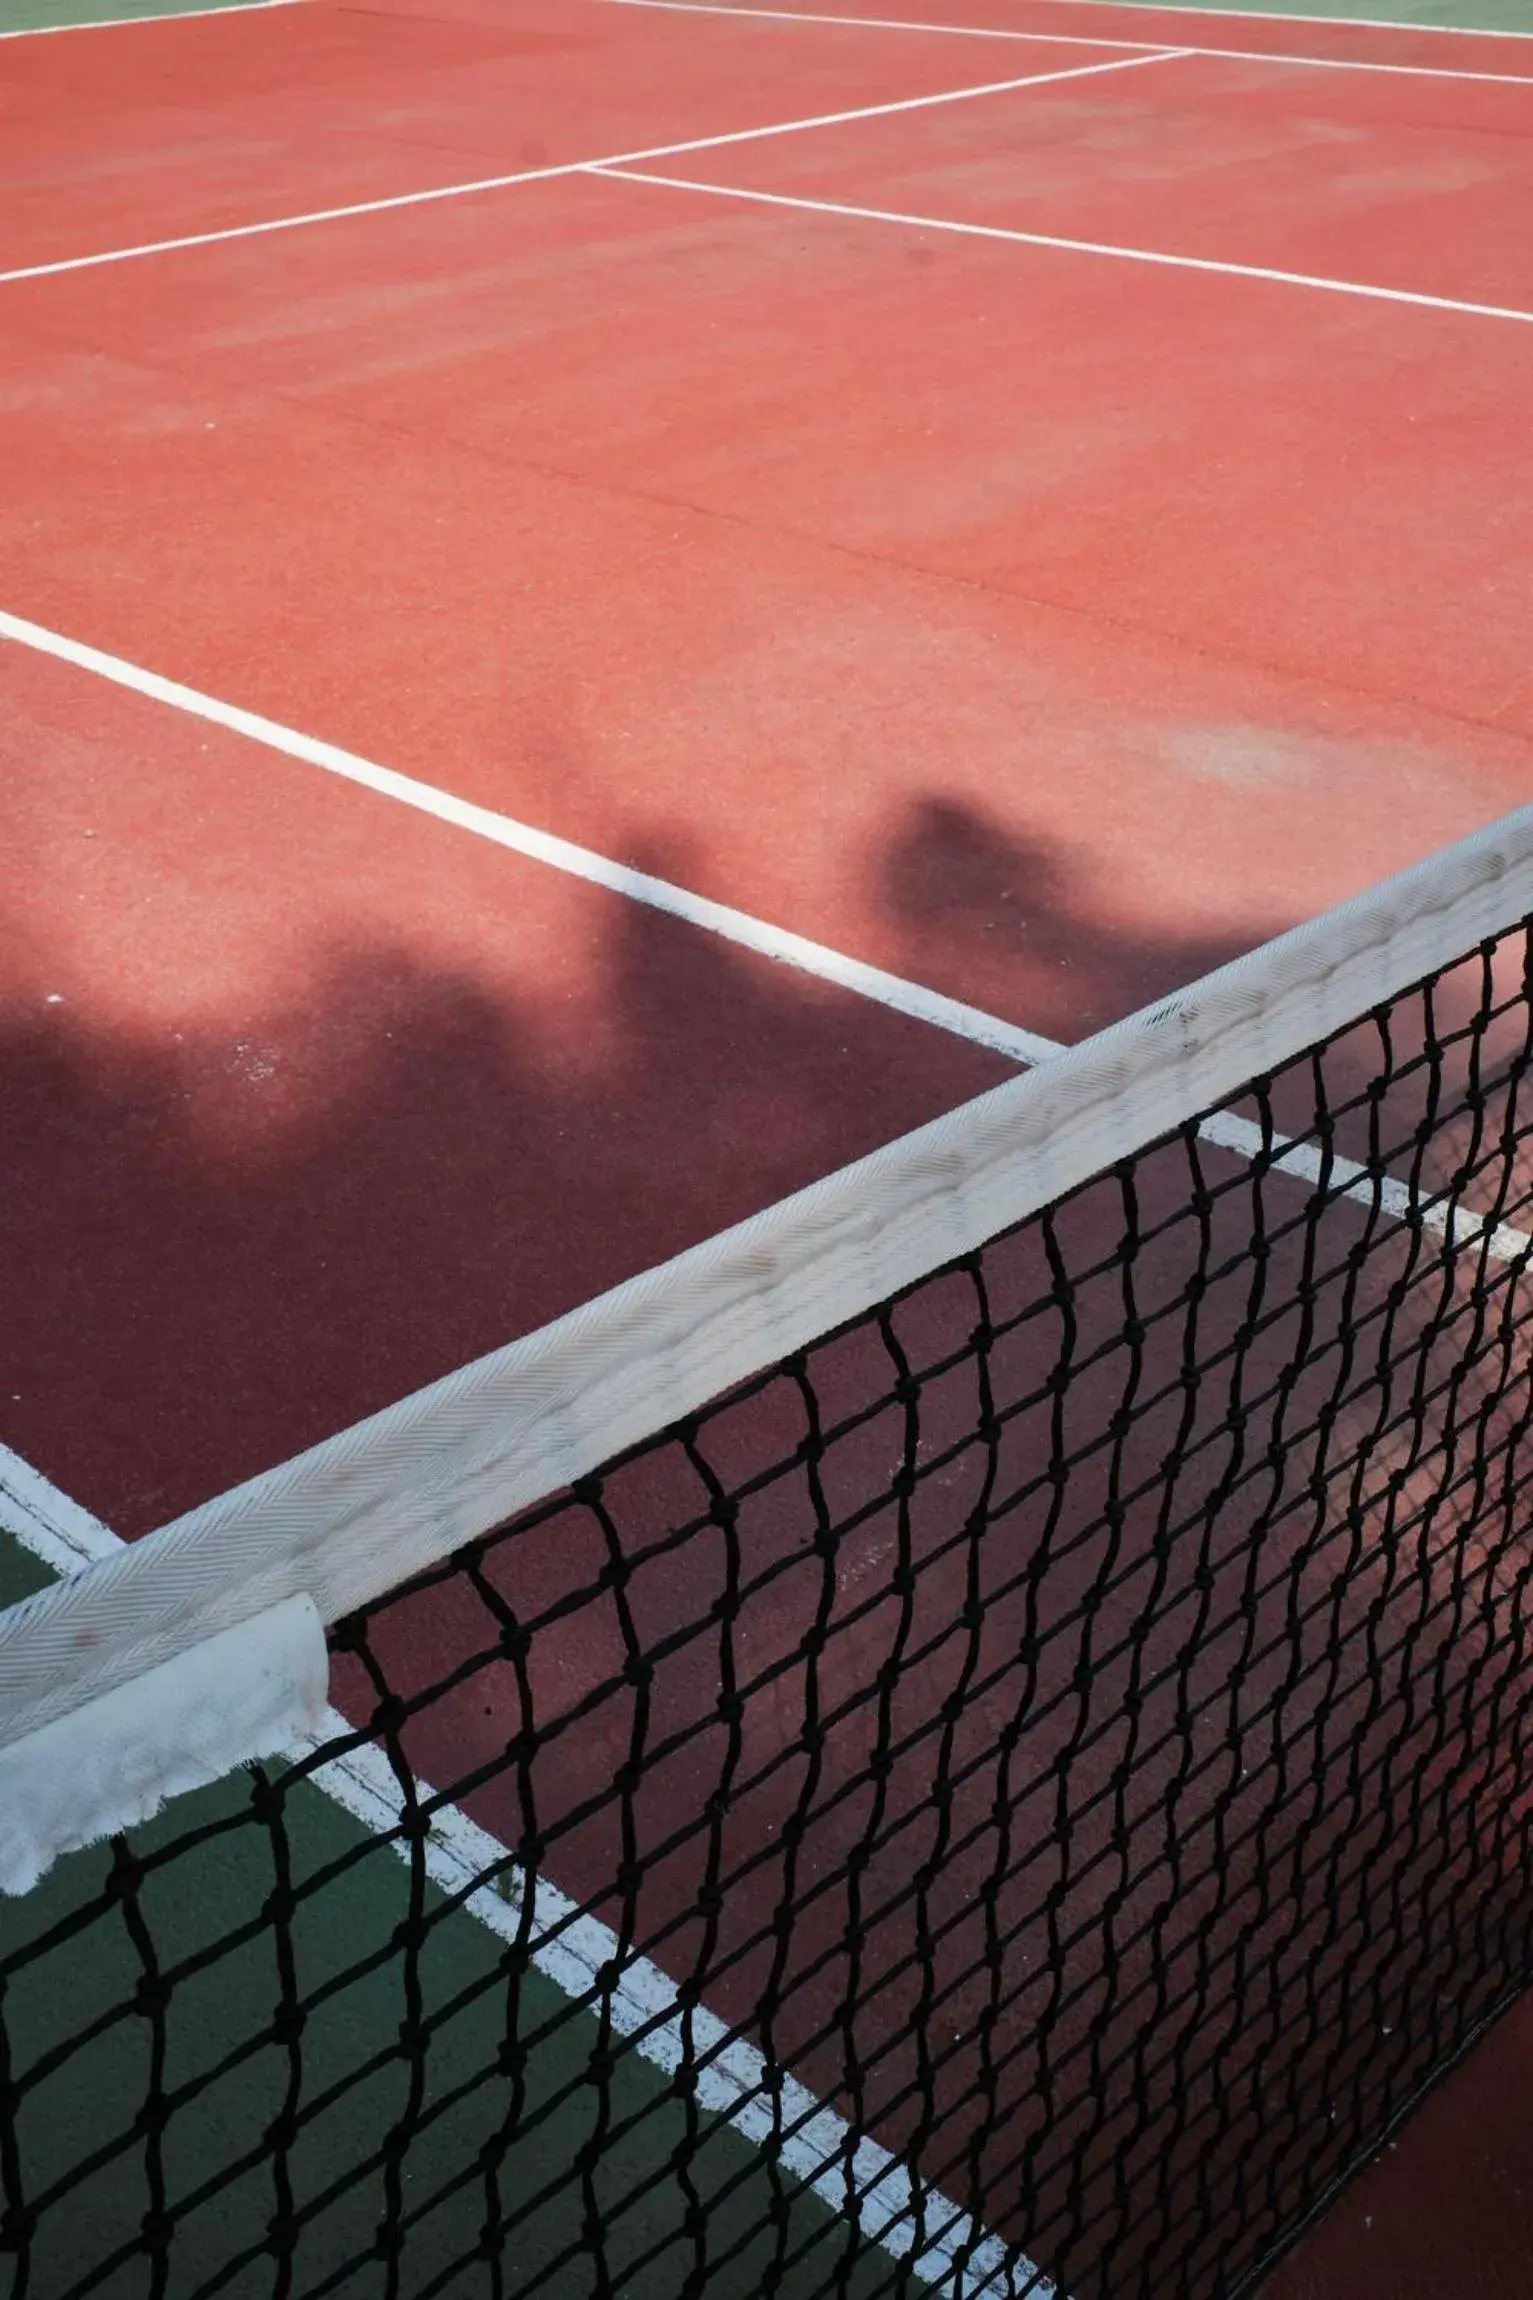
[
  {"x": 947, "y": 2249},
  {"x": 1161, "y": 257},
  {"x": 572, "y": 168},
  {"x": 735, "y": 926},
  {"x": 1084, "y": 40}
]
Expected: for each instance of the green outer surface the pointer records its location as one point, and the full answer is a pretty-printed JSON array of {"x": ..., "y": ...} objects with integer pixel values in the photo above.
[
  {"x": 90, "y": 2103},
  {"x": 42, "y": 15}
]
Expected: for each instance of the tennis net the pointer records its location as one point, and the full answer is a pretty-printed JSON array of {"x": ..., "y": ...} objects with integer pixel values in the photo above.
[{"x": 972, "y": 1735}]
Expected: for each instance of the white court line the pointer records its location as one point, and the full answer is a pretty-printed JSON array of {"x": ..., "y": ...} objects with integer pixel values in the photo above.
[
  {"x": 160, "y": 16},
  {"x": 1344, "y": 1178},
  {"x": 1080, "y": 40},
  {"x": 1027, "y": 1047},
  {"x": 1412, "y": 296},
  {"x": 572, "y": 1950},
  {"x": 580, "y": 167},
  {"x": 45, "y": 1521},
  {"x": 697, "y": 910}
]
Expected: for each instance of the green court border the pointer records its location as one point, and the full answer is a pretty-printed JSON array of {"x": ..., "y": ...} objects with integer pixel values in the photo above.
[
  {"x": 199, "y": 1901},
  {"x": 18, "y": 16}
]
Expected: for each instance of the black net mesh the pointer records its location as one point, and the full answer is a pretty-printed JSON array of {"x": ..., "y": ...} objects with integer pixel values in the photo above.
[{"x": 1047, "y": 1767}]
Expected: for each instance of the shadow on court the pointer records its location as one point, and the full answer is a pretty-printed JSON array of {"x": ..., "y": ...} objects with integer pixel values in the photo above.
[
  {"x": 223, "y": 1245},
  {"x": 937, "y": 1782}
]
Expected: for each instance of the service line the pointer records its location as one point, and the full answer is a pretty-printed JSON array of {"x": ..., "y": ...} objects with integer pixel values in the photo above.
[
  {"x": 579, "y": 167},
  {"x": 1162, "y": 257}
]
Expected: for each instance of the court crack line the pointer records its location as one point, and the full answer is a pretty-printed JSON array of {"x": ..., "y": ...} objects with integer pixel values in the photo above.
[
  {"x": 916, "y": 570},
  {"x": 1096, "y": 616}
]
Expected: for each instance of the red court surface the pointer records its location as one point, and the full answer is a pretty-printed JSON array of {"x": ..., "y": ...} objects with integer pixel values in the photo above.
[
  {"x": 1039, "y": 624},
  {"x": 1448, "y": 2208},
  {"x": 351, "y": 105},
  {"x": 295, "y": 1140}
]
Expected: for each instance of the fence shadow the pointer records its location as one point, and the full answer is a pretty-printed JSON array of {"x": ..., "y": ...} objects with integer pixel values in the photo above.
[{"x": 223, "y": 1242}]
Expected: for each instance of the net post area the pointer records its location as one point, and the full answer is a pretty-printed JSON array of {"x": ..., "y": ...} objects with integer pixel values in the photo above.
[{"x": 970, "y": 1735}]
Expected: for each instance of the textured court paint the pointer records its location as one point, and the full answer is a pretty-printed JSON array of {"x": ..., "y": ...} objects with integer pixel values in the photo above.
[
  {"x": 209, "y": 1376},
  {"x": 704, "y": 448},
  {"x": 479, "y": 186},
  {"x": 642, "y": 371}
]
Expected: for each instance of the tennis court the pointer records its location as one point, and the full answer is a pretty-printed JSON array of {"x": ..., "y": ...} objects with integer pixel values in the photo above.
[{"x": 611, "y": 609}]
